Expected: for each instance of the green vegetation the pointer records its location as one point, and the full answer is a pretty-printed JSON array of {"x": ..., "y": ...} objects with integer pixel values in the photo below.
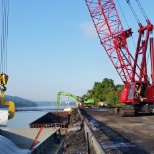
[{"x": 105, "y": 91}]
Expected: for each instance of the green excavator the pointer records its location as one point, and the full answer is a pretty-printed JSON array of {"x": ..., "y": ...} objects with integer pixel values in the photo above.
[
  {"x": 89, "y": 102},
  {"x": 77, "y": 98},
  {"x": 81, "y": 102}
]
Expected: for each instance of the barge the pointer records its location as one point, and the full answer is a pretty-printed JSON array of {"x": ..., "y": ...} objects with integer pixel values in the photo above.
[
  {"x": 14, "y": 141},
  {"x": 54, "y": 133}
]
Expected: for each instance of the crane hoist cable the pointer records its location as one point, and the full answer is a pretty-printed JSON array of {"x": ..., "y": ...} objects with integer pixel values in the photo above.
[
  {"x": 135, "y": 15},
  {"x": 142, "y": 10},
  {"x": 4, "y": 39},
  {"x": 144, "y": 14},
  {"x": 3, "y": 59},
  {"x": 4, "y": 36},
  {"x": 146, "y": 18},
  {"x": 126, "y": 21},
  {"x": 127, "y": 24},
  {"x": 123, "y": 14}
]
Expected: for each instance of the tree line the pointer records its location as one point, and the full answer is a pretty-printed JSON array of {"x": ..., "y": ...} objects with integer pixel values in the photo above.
[{"x": 105, "y": 91}]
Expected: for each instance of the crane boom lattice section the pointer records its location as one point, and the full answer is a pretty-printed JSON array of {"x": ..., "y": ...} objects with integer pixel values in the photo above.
[{"x": 112, "y": 36}]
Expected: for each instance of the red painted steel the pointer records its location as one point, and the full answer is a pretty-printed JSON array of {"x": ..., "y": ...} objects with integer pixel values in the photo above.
[
  {"x": 34, "y": 142},
  {"x": 113, "y": 37},
  {"x": 141, "y": 51},
  {"x": 152, "y": 59}
]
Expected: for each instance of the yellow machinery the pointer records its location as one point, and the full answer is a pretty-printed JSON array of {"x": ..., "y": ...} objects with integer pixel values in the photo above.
[
  {"x": 8, "y": 113},
  {"x": 3, "y": 82}
]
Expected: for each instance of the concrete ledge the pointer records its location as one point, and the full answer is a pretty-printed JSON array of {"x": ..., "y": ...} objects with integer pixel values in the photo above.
[{"x": 90, "y": 138}]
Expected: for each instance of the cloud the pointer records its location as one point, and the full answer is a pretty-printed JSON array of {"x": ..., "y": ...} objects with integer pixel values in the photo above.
[{"x": 88, "y": 29}]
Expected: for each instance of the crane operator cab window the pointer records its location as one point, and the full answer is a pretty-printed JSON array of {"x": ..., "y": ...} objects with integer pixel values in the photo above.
[{"x": 131, "y": 91}]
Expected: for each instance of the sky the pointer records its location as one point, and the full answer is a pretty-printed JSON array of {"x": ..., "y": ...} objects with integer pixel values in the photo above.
[{"x": 53, "y": 46}]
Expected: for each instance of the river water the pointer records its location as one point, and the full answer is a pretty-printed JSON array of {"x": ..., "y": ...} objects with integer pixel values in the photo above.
[{"x": 24, "y": 116}]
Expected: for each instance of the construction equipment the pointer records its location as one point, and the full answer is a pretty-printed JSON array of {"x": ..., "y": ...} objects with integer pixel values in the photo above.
[
  {"x": 89, "y": 102},
  {"x": 77, "y": 98},
  {"x": 8, "y": 106},
  {"x": 138, "y": 94}
]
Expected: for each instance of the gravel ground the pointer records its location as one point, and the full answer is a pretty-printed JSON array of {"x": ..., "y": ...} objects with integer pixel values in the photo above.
[{"x": 122, "y": 135}]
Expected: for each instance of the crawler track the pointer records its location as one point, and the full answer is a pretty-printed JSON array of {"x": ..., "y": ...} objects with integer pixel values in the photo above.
[
  {"x": 125, "y": 111},
  {"x": 122, "y": 135}
]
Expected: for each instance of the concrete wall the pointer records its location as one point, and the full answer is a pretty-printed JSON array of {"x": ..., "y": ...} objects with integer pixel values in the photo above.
[{"x": 92, "y": 143}]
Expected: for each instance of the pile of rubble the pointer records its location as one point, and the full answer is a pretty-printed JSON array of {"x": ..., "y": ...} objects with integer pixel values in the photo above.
[{"x": 74, "y": 140}]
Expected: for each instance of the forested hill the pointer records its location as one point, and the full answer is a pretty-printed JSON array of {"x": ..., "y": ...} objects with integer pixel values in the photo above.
[{"x": 20, "y": 102}]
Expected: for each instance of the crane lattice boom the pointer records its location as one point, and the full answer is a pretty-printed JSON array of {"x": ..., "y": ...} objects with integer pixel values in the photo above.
[{"x": 112, "y": 36}]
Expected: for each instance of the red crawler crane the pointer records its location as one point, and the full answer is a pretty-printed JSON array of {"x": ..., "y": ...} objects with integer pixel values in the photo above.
[{"x": 138, "y": 94}]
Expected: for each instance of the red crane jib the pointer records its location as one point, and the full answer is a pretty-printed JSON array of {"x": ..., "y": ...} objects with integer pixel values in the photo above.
[{"x": 113, "y": 38}]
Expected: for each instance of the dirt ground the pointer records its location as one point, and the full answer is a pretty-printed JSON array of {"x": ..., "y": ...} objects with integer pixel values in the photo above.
[
  {"x": 122, "y": 135},
  {"x": 74, "y": 140}
]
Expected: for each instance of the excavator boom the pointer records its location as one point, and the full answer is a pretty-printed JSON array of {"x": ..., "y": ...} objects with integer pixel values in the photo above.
[{"x": 65, "y": 94}]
